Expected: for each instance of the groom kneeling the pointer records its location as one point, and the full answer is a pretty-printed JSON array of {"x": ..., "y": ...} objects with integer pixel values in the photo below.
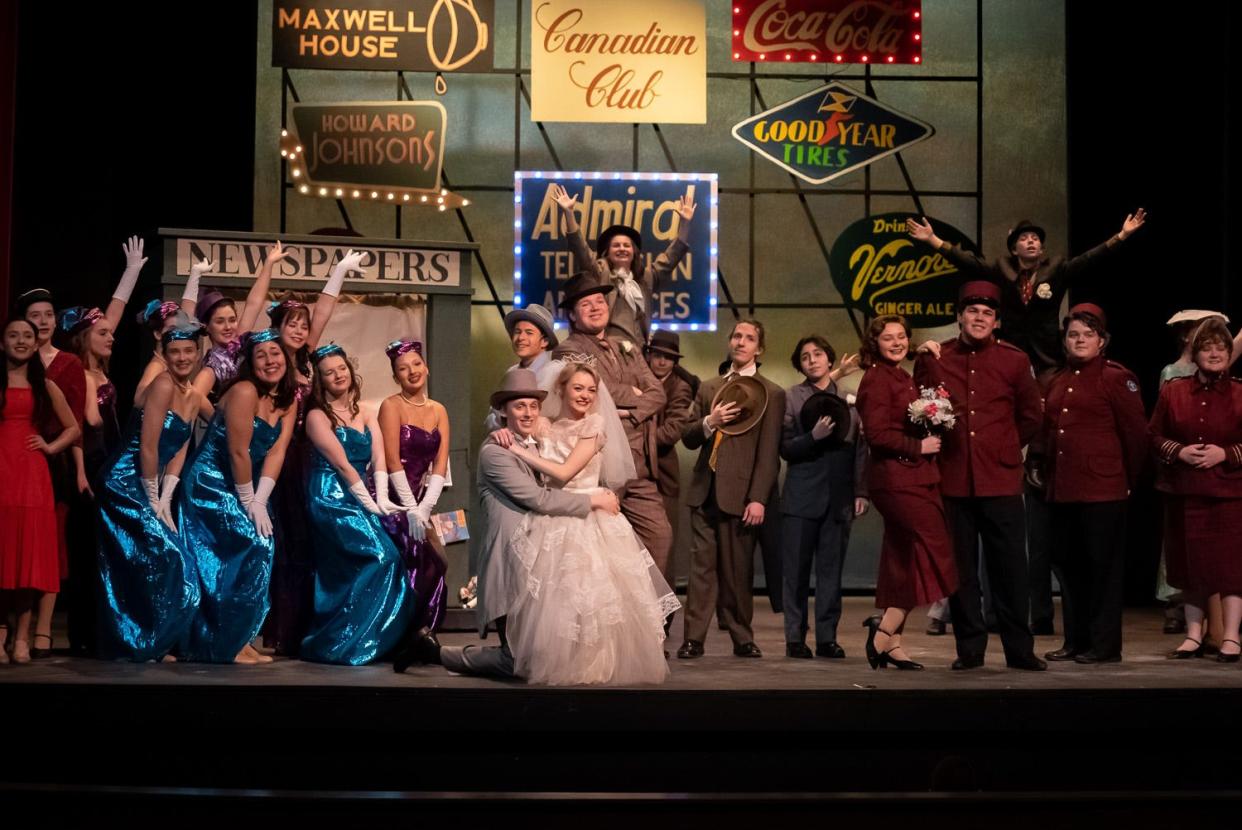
[{"x": 508, "y": 490}]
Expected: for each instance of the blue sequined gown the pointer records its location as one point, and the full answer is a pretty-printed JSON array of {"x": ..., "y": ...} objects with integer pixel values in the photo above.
[
  {"x": 234, "y": 561},
  {"x": 362, "y": 604},
  {"x": 149, "y": 585}
]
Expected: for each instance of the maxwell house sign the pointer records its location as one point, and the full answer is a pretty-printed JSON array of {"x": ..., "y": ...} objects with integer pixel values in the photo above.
[
  {"x": 829, "y": 132},
  {"x": 879, "y": 269}
]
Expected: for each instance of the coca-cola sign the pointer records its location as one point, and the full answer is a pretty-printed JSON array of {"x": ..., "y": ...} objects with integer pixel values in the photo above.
[{"x": 828, "y": 31}]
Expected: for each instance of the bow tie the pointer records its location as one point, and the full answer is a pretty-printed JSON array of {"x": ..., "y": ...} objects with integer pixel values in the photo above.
[{"x": 629, "y": 288}]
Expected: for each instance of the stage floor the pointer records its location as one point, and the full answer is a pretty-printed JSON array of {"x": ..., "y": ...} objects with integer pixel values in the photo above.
[{"x": 1144, "y": 666}]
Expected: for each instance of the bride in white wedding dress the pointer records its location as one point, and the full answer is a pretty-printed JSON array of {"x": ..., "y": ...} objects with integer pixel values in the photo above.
[{"x": 592, "y": 602}]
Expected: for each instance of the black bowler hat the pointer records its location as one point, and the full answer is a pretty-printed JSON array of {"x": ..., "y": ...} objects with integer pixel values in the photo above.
[
  {"x": 835, "y": 407},
  {"x": 605, "y": 238},
  {"x": 1025, "y": 226},
  {"x": 580, "y": 285},
  {"x": 982, "y": 292},
  {"x": 666, "y": 343}
]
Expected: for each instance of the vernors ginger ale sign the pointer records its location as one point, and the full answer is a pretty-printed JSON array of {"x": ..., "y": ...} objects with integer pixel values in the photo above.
[{"x": 879, "y": 269}]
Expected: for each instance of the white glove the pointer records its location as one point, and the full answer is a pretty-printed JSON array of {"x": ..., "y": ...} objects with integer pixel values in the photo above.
[
  {"x": 418, "y": 530},
  {"x": 134, "y": 260},
  {"x": 152, "y": 486},
  {"x": 196, "y": 272},
  {"x": 435, "y": 484},
  {"x": 359, "y": 491},
  {"x": 164, "y": 512},
  {"x": 402, "y": 485},
  {"x": 258, "y": 508},
  {"x": 245, "y": 493},
  {"x": 386, "y": 506},
  {"x": 336, "y": 279}
]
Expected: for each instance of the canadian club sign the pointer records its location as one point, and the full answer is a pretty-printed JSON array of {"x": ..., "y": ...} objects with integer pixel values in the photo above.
[
  {"x": 879, "y": 269},
  {"x": 391, "y": 35},
  {"x": 829, "y": 132},
  {"x": 828, "y": 31}
]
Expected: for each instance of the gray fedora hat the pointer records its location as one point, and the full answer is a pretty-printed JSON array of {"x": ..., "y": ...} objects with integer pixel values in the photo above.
[
  {"x": 517, "y": 383},
  {"x": 536, "y": 315}
]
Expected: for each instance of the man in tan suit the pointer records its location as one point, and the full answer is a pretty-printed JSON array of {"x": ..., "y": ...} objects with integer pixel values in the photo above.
[
  {"x": 679, "y": 388},
  {"x": 639, "y": 397},
  {"x": 733, "y": 479}
]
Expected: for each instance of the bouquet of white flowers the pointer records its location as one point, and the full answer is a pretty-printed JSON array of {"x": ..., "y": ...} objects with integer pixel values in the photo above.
[{"x": 932, "y": 411}]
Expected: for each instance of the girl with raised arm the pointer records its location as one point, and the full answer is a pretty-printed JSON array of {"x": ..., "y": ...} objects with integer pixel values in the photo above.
[{"x": 150, "y": 587}]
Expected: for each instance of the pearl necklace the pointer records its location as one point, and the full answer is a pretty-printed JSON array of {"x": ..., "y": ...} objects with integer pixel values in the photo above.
[{"x": 413, "y": 402}]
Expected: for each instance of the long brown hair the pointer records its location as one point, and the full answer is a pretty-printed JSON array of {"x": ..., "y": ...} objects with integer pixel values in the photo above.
[
  {"x": 869, "y": 351},
  {"x": 36, "y": 376},
  {"x": 284, "y": 392},
  {"x": 319, "y": 395}
]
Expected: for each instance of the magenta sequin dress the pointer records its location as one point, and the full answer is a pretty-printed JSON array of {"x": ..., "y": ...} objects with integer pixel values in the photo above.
[{"x": 425, "y": 568}]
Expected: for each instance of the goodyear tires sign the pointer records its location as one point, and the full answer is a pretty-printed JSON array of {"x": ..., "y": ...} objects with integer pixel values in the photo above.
[{"x": 829, "y": 132}]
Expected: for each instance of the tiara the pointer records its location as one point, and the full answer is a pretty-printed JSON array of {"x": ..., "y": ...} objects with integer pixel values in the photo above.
[
  {"x": 188, "y": 331},
  {"x": 397, "y": 348},
  {"x": 327, "y": 351},
  {"x": 580, "y": 357},
  {"x": 73, "y": 320},
  {"x": 253, "y": 338}
]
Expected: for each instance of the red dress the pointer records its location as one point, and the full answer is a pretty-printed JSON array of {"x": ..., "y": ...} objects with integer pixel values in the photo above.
[
  {"x": 28, "y": 557},
  {"x": 67, "y": 373},
  {"x": 917, "y": 564}
]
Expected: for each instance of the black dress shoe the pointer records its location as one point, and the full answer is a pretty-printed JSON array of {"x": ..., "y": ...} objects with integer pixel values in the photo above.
[
  {"x": 1027, "y": 662},
  {"x": 937, "y": 628},
  {"x": 421, "y": 648},
  {"x": 748, "y": 650},
  {"x": 1062, "y": 655},
  {"x": 798, "y": 650},
  {"x": 1042, "y": 628},
  {"x": 830, "y": 650},
  {"x": 690, "y": 648},
  {"x": 967, "y": 663},
  {"x": 1220, "y": 657},
  {"x": 1089, "y": 657}
]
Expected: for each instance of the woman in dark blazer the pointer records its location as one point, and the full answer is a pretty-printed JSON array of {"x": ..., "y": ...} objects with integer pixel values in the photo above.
[
  {"x": 1094, "y": 443},
  {"x": 916, "y": 558},
  {"x": 1196, "y": 432}
]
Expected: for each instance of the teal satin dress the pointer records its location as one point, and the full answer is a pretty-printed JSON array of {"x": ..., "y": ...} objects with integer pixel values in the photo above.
[
  {"x": 362, "y": 603},
  {"x": 234, "y": 562},
  {"x": 150, "y": 586}
]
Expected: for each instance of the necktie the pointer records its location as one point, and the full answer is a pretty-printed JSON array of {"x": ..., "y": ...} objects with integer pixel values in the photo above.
[{"x": 1025, "y": 286}]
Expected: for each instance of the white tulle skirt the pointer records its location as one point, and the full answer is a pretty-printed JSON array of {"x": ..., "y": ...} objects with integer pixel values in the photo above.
[{"x": 591, "y": 604}]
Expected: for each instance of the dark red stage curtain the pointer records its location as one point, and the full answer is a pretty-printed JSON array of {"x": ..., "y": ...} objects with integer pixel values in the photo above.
[{"x": 8, "y": 87}]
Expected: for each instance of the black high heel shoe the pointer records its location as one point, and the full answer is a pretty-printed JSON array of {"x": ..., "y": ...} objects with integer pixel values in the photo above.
[
  {"x": 42, "y": 653},
  {"x": 1181, "y": 654},
  {"x": 1221, "y": 657},
  {"x": 874, "y": 659},
  {"x": 903, "y": 665}
]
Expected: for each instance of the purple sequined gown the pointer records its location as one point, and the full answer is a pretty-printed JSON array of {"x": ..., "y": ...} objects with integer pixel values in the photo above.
[{"x": 424, "y": 566}]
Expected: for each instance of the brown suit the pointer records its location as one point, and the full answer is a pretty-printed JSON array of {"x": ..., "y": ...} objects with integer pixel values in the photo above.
[
  {"x": 722, "y": 556},
  {"x": 622, "y": 320},
  {"x": 671, "y": 422},
  {"x": 623, "y": 372}
]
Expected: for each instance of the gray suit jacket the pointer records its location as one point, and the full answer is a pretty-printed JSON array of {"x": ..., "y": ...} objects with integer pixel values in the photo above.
[{"x": 508, "y": 490}]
